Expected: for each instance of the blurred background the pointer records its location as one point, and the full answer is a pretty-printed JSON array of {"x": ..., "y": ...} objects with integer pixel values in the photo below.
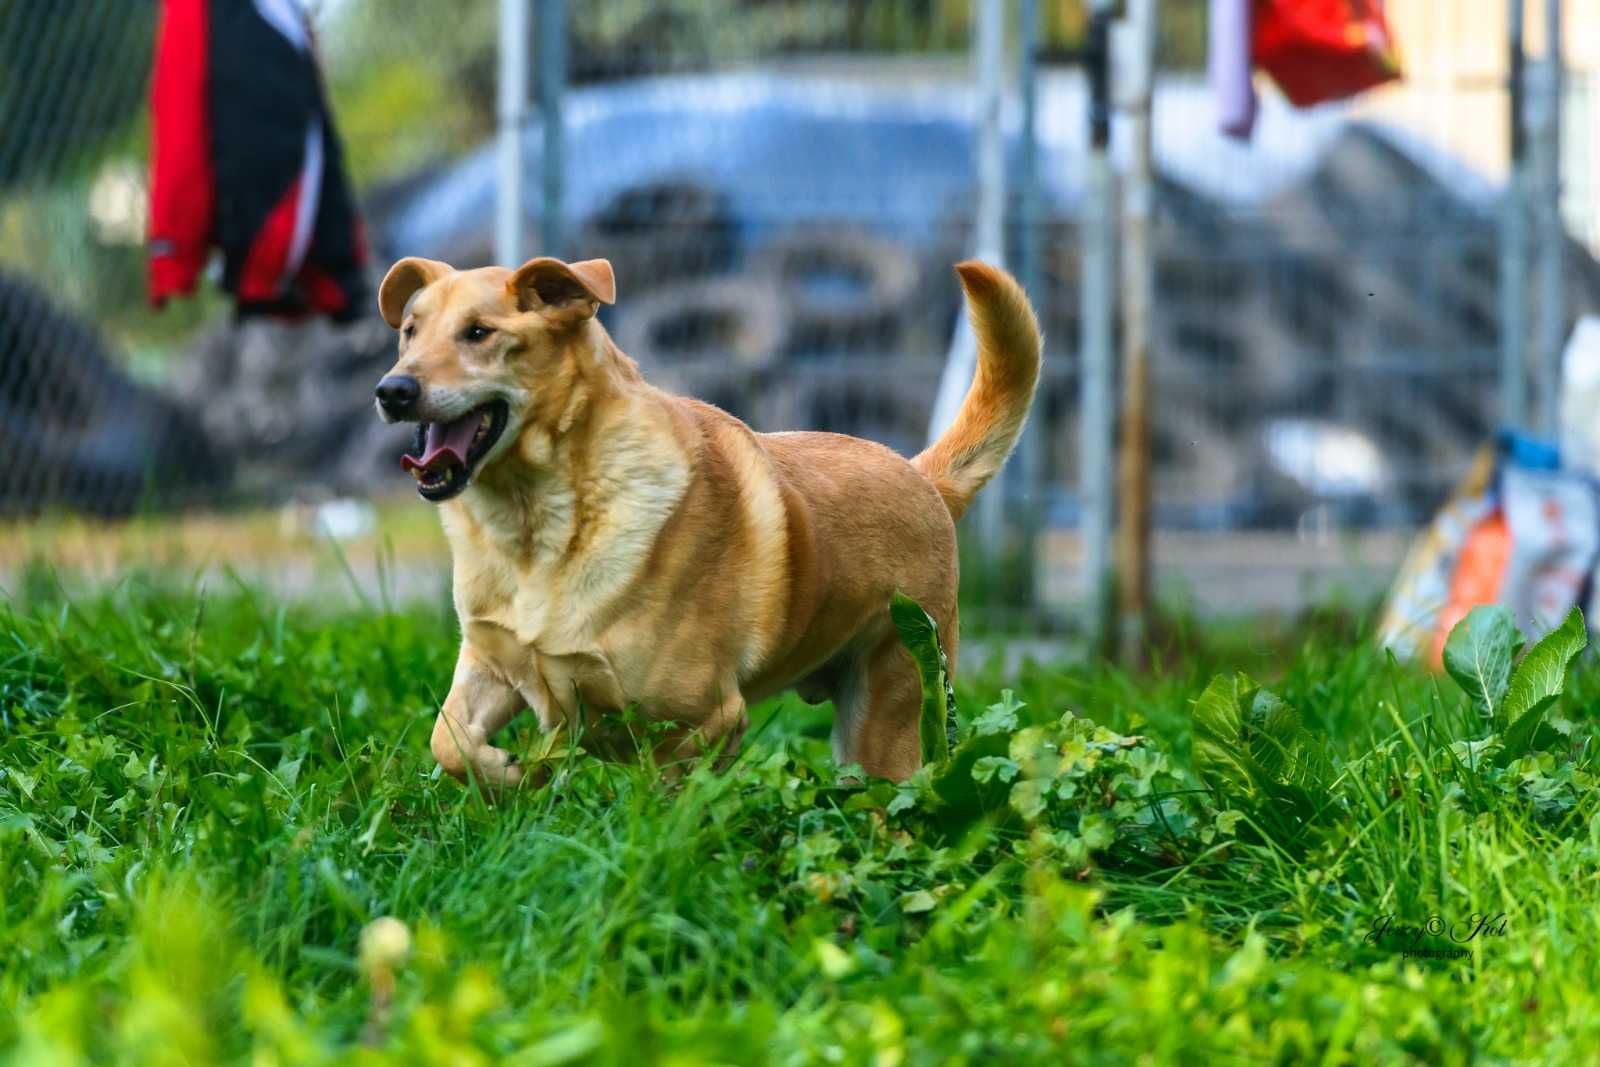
[{"x": 782, "y": 186}]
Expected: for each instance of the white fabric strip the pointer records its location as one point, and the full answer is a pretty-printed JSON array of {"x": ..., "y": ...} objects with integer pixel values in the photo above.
[
  {"x": 305, "y": 212},
  {"x": 287, "y": 18}
]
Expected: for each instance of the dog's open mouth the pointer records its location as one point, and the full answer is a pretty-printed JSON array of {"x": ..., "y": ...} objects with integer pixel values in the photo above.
[{"x": 447, "y": 452}]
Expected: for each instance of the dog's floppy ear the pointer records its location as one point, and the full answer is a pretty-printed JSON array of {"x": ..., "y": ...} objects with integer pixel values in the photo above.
[
  {"x": 563, "y": 292},
  {"x": 404, "y": 280}
]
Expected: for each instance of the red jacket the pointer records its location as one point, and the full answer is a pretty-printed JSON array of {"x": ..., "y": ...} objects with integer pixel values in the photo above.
[{"x": 244, "y": 158}]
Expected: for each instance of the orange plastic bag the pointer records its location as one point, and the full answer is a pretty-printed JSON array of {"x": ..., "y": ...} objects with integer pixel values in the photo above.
[
  {"x": 1480, "y": 572},
  {"x": 1320, "y": 50},
  {"x": 1514, "y": 533}
]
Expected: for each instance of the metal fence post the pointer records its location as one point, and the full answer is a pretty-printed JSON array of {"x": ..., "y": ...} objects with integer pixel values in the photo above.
[
  {"x": 988, "y": 55},
  {"x": 1136, "y": 61},
  {"x": 989, "y": 42},
  {"x": 1513, "y": 239},
  {"x": 1028, "y": 164},
  {"x": 1029, "y": 473},
  {"x": 1097, "y": 308},
  {"x": 511, "y": 107},
  {"x": 552, "y": 83},
  {"x": 1552, "y": 310},
  {"x": 989, "y": 45}
]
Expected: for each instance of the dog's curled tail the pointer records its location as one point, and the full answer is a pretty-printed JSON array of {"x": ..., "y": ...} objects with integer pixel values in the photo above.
[{"x": 986, "y": 428}]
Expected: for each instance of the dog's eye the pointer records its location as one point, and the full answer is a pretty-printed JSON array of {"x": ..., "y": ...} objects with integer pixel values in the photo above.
[
  {"x": 410, "y": 330},
  {"x": 475, "y": 333}
]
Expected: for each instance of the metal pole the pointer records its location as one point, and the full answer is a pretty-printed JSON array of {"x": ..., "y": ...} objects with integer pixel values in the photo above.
[
  {"x": 1028, "y": 179},
  {"x": 552, "y": 82},
  {"x": 1136, "y": 58},
  {"x": 1029, "y": 472},
  {"x": 1513, "y": 240},
  {"x": 512, "y": 104},
  {"x": 988, "y": 54},
  {"x": 990, "y": 42},
  {"x": 1097, "y": 309},
  {"x": 1552, "y": 310}
]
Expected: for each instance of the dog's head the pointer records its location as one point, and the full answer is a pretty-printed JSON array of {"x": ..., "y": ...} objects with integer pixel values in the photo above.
[{"x": 485, "y": 356}]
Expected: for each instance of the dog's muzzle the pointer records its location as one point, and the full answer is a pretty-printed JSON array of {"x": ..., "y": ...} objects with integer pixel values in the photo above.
[{"x": 398, "y": 395}]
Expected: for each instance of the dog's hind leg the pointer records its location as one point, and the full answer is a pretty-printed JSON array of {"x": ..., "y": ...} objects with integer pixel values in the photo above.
[
  {"x": 878, "y": 704},
  {"x": 479, "y": 704}
]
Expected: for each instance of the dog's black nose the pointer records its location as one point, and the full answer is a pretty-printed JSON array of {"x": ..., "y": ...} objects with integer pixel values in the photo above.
[{"x": 397, "y": 394}]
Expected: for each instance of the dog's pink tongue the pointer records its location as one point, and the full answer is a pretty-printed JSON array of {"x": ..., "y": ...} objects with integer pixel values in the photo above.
[{"x": 446, "y": 441}]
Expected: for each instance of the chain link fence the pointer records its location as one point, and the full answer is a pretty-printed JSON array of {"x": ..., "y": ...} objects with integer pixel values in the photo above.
[{"x": 781, "y": 187}]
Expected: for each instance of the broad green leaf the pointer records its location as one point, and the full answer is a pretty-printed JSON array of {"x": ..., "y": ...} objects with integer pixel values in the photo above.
[
  {"x": 832, "y": 960},
  {"x": 1273, "y": 734},
  {"x": 918, "y": 901},
  {"x": 1479, "y": 654},
  {"x": 1227, "y": 822},
  {"x": 1220, "y": 757},
  {"x": 1249, "y": 745},
  {"x": 962, "y": 796},
  {"x": 1536, "y": 683},
  {"x": 1216, "y": 710},
  {"x": 920, "y": 634},
  {"x": 989, "y": 767},
  {"x": 1097, "y": 832},
  {"x": 1028, "y": 798},
  {"x": 1037, "y": 749},
  {"x": 998, "y": 718}
]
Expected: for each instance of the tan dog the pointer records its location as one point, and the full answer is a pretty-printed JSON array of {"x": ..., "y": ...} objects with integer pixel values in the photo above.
[{"x": 615, "y": 546}]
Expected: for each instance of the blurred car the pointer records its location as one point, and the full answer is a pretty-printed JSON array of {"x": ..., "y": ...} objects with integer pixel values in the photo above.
[{"x": 782, "y": 240}]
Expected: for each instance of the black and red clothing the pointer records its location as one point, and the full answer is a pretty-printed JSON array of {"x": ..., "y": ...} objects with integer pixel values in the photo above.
[{"x": 244, "y": 158}]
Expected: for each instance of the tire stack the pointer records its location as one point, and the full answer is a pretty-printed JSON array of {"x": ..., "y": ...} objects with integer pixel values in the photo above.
[
  {"x": 291, "y": 404},
  {"x": 811, "y": 333},
  {"x": 846, "y": 290},
  {"x": 1399, "y": 283},
  {"x": 1364, "y": 297},
  {"x": 661, "y": 232},
  {"x": 76, "y": 432},
  {"x": 717, "y": 339}
]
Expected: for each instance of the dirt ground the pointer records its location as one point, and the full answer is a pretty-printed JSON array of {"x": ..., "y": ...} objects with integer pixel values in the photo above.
[
  {"x": 1245, "y": 572},
  {"x": 391, "y": 550}
]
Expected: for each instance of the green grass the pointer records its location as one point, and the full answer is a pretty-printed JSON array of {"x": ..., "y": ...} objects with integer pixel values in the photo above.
[{"x": 204, "y": 799}]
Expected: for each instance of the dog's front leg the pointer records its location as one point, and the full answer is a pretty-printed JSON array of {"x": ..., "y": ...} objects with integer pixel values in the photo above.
[
  {"x": 720, "y": 731},
  {"x": 479, "y": 704}
]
